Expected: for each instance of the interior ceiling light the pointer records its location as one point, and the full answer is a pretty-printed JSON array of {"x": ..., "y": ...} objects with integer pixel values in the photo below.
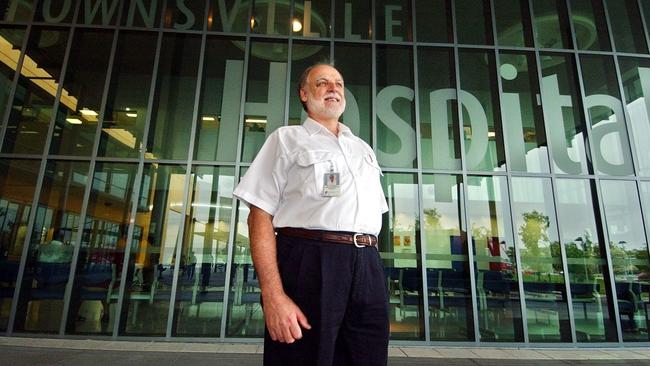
[
  {"x": 88, "y": 112},
  {"x": 30, "y": 69},
  {"x": 132, "y": 115},
  {"x": 73, "y": 121},
  {"x": 296, "y": 25},
  {"x": 207, "y": 118}
]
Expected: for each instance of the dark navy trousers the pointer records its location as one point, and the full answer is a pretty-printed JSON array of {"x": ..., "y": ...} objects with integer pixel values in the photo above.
[{"x": 342, "y": 291}]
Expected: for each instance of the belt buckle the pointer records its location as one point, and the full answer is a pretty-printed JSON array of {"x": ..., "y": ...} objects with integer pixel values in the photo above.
[{"x": 354, "y": 240}]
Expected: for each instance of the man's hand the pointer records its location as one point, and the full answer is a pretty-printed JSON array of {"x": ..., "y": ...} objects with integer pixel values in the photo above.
[{"x": 284, "y": 319}]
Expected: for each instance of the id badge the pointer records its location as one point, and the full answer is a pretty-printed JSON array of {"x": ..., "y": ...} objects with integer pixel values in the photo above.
[{"x": 331, "y": 185}]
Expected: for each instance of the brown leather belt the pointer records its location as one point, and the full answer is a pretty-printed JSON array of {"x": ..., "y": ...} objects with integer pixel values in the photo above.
[{"x": 357, "y": 239}]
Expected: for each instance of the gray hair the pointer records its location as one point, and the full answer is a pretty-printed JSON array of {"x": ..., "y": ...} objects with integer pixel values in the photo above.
[{"x": 303, "y": 77}]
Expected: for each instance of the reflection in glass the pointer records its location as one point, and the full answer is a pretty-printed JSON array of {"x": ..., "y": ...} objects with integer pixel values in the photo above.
[
  {"x": 551, "y": 22},
  {"x": 611, "y": 150},
  {"x": 353, "y": 19},
  {"x": 439, "y": 128},
  {"x": 270, "y": 18},
  {"x": 541, "y": 260},
  {"x": 101, "y": 256},
  {"x": 303, "y": 55},
  {"x": 352, "y": 61},
  {"x": 17, "y": 185},
  {"x": 99, "y": 13},
  {"x": 563, "y": 114},
  {"x": 399, "y": 247},
  {"x": 394, "y": 20},
  {"x": 522, "y": 114},
  {"x": 75, "y": 128},
  {"x": 586, "y": 260},
  {"x": 11, "y": 40},
  {"x": 152, "y": 258},
  {"x": 447, "y": 265},
  {"x": 311, "y": 18},
  {"x": 629, "y": 251},
  {"x": 218, "y": 118},
  {"x": 245, "y": 318},
  {"x": 171, "y": 120},
  {"x": 128, "y": 96},
  {"x": 228, "y": 16},
  {"x": 434, "y": 21},
  {"x": 395, "y": 107},
  {"x": 627, "y": 28},
  {"x": 265, "y": 95},
  {"x": 513, "y": 23},
  {"x": 499, "y": 306},
  {"x": 199, "y": 298},
  {"x": 635, "y": 74},
  {"x": 473, "y": 22},
  {"x": 37, "y": 86},
  {"x": 51, "y": 246},
  {"x": 590, "y": 25},
  {"x": 184, "y": 15},
  {"x": 481, "y": 118}
]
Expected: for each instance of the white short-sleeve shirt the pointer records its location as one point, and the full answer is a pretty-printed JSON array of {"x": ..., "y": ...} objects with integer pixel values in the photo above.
[{"x": 286, "y": 180}]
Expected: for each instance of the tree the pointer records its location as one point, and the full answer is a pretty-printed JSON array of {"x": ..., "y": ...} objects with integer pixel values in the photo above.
[{"x": 533, "y": 232}]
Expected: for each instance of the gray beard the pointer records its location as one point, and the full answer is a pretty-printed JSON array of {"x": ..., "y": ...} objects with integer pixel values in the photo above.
[{"x": 322, "y": 110}]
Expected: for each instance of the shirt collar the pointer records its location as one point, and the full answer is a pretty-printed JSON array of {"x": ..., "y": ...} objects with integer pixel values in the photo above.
[{"x": 314, "y": 127}]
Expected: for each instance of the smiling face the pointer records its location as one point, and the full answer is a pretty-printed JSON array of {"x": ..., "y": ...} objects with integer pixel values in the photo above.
[{"x": 323, "y": 93}]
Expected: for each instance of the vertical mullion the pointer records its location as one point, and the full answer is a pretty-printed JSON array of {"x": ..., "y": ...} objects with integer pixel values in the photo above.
[
  {"x": 644, "y": 23},
  {"x": 233, "y": 214}
]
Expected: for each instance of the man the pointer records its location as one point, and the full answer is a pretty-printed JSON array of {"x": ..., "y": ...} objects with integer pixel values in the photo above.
[{"x": 317, "y": 185}]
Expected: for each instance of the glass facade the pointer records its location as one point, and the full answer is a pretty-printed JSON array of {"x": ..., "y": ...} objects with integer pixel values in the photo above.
[{"x": 511, "y": 134}]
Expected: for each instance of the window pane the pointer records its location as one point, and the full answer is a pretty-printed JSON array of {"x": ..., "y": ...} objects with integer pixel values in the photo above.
[
  {"x": 311, "y": 18},
  {"x": 473, "y": 22},
  {"x": 513, "y": 23},
  {"x": 98, "y": 12},
  {"x": 629, "y": 250},
  {"x": 218, "y": 118},
  {"x": 228, "y": 16},
  {"x": 635, "y": 73},
  {"x": 590, "y": 26},
  {"x": 303, "y": 55},
  {"x": 184, "y": 15},
  {"x": 434, "y": 21},
  {"x": 83, "y": 86},
  {"x": 394, "y": 20},
  {"x": 541, "y": 260},
  {"x": 481, "y": 118},
  {"x": 17, "y": 11},
  {"x": 353, "y": 19},
  {"x": 551, "y": 21},
  {"x": 395, "y": 112},
  {"x": 51, "y": 247},
  {"x": 626, "y": 26},
  {"x": 55, "y": 11},
  {"x": 37, "y": 86},
  {"x": 171, "y": 120},
  {"x": 17, "y": 185},
  {"x": 245, "y": 318},
  {"x": 586, "y": 259},
  {"x": 128, "y": 96},
  {"x": 11, "y": 40},
  {"x": 352, "y": 61},
  {"x": 447, "y": 264},
  {"x": 522, "y": 114},
  {"x": 563, "y": 115},
  {"x": 497, "y": 286},
  {"x": 152, "y": 259},
  {"x": 199, "y": 299},
  {"x": 610, "y": 145},
  {"x": 101, "y": 256},
  {"x": 399, "y": 247},
  {"x": 439, "y": 128},
  {"x": 265, "y": 94},
  {"x": 271, "y": 18}
]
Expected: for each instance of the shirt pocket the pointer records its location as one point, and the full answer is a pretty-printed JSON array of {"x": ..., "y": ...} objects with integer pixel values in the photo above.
[
  {"x": 316, "y": 163},
  {"x": 370, "y": 163}
]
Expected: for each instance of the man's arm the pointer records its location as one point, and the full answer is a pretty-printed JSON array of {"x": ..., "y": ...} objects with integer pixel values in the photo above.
[{"x": 283, "y": 317}]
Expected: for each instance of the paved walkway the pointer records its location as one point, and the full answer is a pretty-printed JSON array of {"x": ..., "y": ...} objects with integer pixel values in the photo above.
[{"x": 18, "y": 351}]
